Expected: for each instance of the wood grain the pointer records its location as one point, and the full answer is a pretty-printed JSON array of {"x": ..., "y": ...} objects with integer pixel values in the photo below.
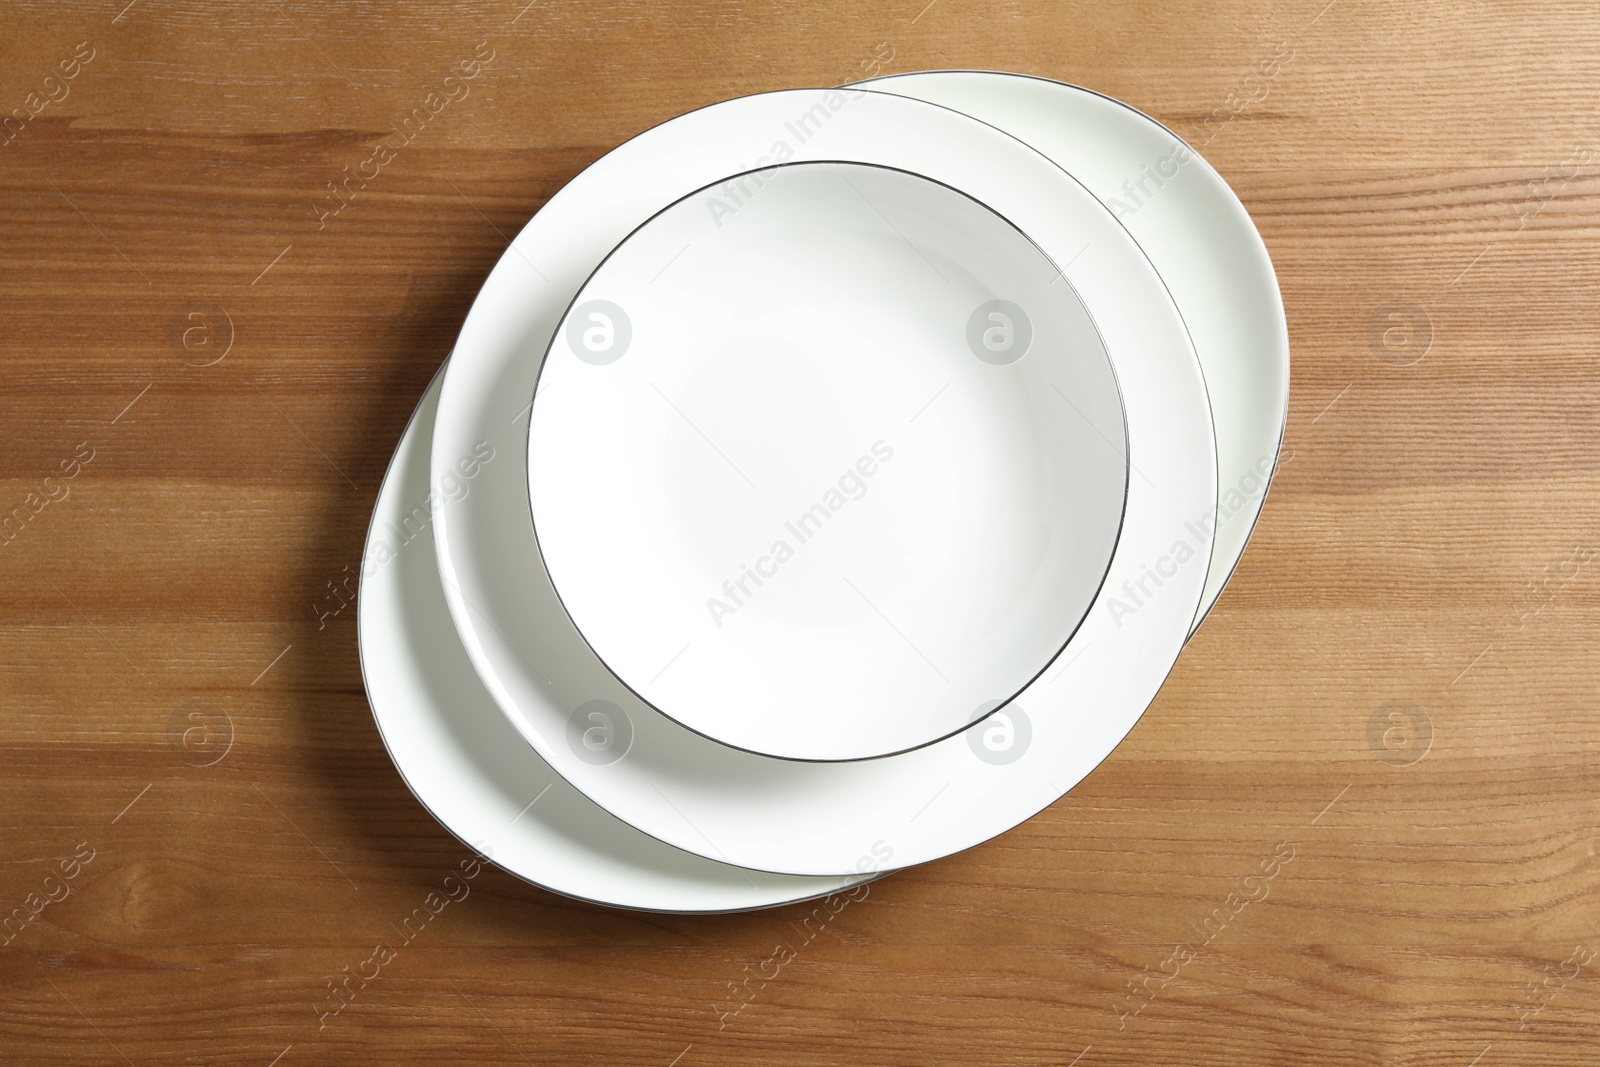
[{"x": 1423, "y": 550}]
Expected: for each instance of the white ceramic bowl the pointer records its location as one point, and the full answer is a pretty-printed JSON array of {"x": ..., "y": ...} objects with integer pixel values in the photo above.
[{"x": 825, "y": 458}]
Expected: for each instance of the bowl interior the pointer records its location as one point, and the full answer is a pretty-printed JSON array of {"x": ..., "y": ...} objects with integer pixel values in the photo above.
[{"x": 826, "y": 458}]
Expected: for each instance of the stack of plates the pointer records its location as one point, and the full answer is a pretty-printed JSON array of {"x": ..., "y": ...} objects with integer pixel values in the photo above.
[{"x": 824, "y": 482}]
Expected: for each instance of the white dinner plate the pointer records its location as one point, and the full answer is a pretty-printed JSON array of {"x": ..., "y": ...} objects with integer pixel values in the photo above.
[
  {"x": 823, "y": 460},
  {"x": 783, "y": 815},
  {"x": 460, "y": 755},
  {"x": 1201, "y": 240}
]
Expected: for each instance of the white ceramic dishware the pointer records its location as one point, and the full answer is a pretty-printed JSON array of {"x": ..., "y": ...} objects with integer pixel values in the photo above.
[
  {"x": 821, "y": 474},
  {"x": 463, "y": 759},
  {"x": 785, "y": 815}
]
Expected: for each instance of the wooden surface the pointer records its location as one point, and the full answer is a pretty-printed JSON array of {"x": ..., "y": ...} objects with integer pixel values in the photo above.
[{"x": 1401, "y": 685}]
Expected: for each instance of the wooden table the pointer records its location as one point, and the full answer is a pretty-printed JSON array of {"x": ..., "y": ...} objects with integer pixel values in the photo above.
[{"x": 204, "y": 377}]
